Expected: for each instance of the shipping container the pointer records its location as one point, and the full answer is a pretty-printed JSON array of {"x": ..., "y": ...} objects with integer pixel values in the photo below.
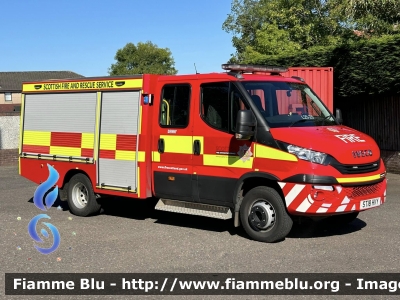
[{"x": 320, "y": 79}]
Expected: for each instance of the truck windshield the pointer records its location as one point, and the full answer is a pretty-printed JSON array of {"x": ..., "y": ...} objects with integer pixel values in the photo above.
[{"x": 286, "y": 104}]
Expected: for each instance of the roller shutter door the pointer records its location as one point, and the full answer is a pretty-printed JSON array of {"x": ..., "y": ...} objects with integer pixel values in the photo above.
[{"x": 118, "y": 147}]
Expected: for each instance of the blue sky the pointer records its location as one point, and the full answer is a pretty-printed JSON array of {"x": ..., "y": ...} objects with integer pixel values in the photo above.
[{"x": 83, "y": 35}]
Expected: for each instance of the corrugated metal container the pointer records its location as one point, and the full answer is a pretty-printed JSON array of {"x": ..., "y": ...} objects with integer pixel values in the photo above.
[{"x": 319, "y": 79}]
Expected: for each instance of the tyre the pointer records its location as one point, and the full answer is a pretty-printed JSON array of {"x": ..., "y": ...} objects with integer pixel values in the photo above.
[
  {"x": 341, "y": 220},
  {"x": 263, "y": 215},
  {"x": 81, "y": 198}
]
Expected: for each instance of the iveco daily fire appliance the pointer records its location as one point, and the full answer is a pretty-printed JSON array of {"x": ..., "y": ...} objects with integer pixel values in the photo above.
[{"x": 247, "y": 143}]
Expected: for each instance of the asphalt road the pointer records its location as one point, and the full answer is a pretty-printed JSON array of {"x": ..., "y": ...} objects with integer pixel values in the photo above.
[{"x": 130, "y": 237}]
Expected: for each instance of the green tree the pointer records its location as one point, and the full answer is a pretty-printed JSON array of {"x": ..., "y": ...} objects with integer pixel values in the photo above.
[
  {"x": 269, "y": 40},
  {"x": 262, "y": 28},
  {"x": 267, "y": 26},
  {"x": 143, "y": 58},
  {"x": 370, "y": 17}
]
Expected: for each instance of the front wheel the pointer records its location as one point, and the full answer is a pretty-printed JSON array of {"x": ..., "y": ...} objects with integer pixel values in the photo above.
[
  {"x": 81, "y": 198},
  {"x": 263, "y": 215}
]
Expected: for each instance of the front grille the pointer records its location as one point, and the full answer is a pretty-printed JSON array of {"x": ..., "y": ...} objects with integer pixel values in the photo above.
[
  {"x": 355, "y": 169},
  {"x": 364, "y": 190}
]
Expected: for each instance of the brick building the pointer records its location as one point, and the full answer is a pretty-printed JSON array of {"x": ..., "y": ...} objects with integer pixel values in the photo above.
[
  {"x": 11, "y": 85},
  {"x": 10, "y": 106}
]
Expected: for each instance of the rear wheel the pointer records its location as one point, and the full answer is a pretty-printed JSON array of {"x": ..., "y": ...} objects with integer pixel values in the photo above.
[
  {"x": 263, "y": 215},
  {"x": 81, "y": 198}
]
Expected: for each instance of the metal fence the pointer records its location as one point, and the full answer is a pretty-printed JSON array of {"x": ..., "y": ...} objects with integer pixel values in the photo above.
[{"x": 377, "y": 116}]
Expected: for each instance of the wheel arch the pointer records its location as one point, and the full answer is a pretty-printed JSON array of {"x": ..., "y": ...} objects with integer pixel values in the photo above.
[
  {"x": 72, "y": 172},
  {"x": 251, "y": 180}
]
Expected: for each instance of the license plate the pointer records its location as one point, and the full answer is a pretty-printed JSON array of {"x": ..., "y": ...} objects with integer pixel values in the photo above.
[{"x": 370, "y": 203}]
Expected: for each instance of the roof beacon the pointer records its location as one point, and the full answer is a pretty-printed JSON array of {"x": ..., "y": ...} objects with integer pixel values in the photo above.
[{"x": 253, "y": 68}]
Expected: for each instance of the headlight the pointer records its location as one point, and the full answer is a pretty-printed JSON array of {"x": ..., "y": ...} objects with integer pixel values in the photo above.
[{"x": 307, "y": 154}]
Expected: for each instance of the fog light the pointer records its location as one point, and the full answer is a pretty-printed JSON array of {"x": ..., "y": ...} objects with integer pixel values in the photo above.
[
  {"x": 317, "y": 195},
  {"x": 324, "y": 187}
]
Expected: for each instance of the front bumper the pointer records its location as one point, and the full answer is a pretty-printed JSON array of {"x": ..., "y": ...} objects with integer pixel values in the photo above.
[{"x": 306, "y": 199}]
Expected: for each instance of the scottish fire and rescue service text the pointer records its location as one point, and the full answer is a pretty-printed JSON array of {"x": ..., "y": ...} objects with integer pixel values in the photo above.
[{"x": 78, "y": 85}]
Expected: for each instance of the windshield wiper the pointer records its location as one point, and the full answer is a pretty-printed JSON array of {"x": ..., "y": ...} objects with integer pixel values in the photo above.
[
  {"x": 324, "y": 118},
  {"x": 298, "y": 121}
]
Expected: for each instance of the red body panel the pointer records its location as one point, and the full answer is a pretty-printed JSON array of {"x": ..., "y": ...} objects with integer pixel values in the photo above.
[
  {"x": 179, "y": 161},
  {"x": 36, "y": 169},
  {"x": 338, "y": 141}
]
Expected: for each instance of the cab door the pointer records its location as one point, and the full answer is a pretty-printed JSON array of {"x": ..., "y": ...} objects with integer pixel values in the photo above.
[
  {"x": 222, "y": 159},
  {"x": 173, "y": 143}
]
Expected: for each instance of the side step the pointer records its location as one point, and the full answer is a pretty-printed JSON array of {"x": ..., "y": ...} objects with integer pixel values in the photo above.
[{"x": 191, "y": 208}]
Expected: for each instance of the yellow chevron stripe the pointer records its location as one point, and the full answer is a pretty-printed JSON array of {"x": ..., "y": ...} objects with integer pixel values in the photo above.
[
  {"x": 108, "y": 141},
  {"x": 156, "y": 156},
  {"x": 141, "y": 156},
  {"x": 178, "y": 144},
  {"x": 87, "y": 140},
  {"x": 227, "y": 161},
  {"x": 69, "y": 151},
  {"x": 125, "y": 155},
  {"x": 272, "y": 153},
  {"x": 37, "y": 138},
  {"x": 129, "y": 155},
  {"x": 359, "y": 179}
]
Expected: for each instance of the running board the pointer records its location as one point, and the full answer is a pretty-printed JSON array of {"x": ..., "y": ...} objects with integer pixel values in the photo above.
[{"x": 191, "y": 208}]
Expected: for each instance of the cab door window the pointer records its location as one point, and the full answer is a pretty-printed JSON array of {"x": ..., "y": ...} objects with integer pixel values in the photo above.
[
  {"x": 215, "y": 105},
  {"x": 174, "y": 110},
  {"x": 236, "y": 103},
  {"x": 220, "y": 103}
]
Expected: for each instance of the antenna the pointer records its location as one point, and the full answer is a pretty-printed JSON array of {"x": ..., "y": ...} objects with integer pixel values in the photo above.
[{"x": 195, "y": 68}]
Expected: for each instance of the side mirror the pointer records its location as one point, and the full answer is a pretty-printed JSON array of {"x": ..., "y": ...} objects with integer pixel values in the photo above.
[
  {"x": 339, "y": 116},
  {"x": 245, "y": 124}
]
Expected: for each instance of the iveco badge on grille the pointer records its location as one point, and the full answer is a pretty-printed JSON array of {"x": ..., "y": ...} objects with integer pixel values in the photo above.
[{"x": 362, "y": 153}]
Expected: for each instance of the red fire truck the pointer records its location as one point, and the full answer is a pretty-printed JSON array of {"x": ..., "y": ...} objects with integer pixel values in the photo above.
[{"x": 246, "y": 143}]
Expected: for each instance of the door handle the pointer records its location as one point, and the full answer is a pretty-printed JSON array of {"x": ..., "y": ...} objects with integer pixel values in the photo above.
[
  {"x": 196, "y": 147},
  {"x": 161, "y": 145}
]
